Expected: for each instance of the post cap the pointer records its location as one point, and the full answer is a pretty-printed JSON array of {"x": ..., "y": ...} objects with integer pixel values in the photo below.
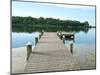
[
  {"x": 59, "y": 33},
  {"x": 63, "y": 36}
]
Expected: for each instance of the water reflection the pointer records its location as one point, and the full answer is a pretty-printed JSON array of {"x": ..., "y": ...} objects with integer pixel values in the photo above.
[{"x": 50, "y": 29}]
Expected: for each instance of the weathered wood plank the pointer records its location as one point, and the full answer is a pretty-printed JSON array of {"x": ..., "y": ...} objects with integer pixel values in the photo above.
[{"x": 50, "y": 54}]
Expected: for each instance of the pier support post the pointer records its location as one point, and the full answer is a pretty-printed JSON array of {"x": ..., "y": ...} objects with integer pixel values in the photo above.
[
  {"x": 40, "y": 34},
  {"x": 72, "y": 37},
  {"x": 63, "y": 38},
  {"x": 59, "y": 35},
  {"x": 29, "y": 49},
  {"x": 71, "y": 48},
  {"x": 36, "y": 40}
]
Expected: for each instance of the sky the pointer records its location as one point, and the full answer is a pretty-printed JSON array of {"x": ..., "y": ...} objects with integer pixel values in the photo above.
[{"x": 58, "y": 11}]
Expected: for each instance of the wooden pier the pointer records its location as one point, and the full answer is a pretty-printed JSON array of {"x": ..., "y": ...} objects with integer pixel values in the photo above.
[
  {"x": 49, "y": 55},
  {"x": 66, "y": 35}
]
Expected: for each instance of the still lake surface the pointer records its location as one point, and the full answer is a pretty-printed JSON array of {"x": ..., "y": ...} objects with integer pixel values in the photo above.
[{"x": 83, "y": 49}]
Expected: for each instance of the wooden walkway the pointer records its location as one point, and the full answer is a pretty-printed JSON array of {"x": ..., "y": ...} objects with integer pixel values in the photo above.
[{"x": 50, "y": 54}]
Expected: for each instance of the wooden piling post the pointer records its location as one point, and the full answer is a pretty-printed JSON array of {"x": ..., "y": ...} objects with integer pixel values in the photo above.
[
  {"x": 40, "y": 34},
  {"x": 71, "y": 48},
  {"x": 63, "y": 38},
  {"x": 29, "y": 49},
  {"x": 59, "y": 35},
  {"x": 72, "y": 36},
  {"x": 36, "y": 40}
]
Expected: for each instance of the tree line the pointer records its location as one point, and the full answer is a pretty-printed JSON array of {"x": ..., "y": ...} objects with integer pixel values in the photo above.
[{"x": 47, "y": 23}]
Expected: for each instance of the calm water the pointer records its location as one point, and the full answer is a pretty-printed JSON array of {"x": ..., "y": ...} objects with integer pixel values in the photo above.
[
  {"x": 21, "y": 39},
  {"x": 83, "y": 48}
]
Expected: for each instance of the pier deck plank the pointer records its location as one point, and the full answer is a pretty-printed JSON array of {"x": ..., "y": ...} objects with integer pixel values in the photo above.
[{"x": 50, "y": 54}]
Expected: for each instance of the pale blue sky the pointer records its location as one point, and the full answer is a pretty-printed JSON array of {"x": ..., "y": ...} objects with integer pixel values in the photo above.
[{"x": 65, "y": 12}]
